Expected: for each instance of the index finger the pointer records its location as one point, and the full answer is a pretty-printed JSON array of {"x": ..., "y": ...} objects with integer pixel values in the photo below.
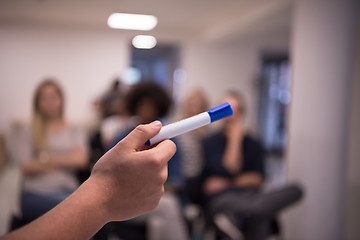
[
  {"x": 142, "y": 133},
  {"x": 164, "y": 151}
]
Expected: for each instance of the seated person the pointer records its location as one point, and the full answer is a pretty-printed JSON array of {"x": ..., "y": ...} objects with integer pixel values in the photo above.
[
  {"x": 100, "y": 199},
  {"x": 234, "y": 174},
  {"x": 233, "y": 158},
  {"x": 113, "y": 111},
  {"x": 234, "y": 161},
  {"x": 49, "y": 152},
  {"x": 190, "y": 146},
  {"x": 147, "y": 102}
]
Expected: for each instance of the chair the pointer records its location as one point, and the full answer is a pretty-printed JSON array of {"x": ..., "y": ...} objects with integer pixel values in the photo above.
[{"x": 265, "y": 206}]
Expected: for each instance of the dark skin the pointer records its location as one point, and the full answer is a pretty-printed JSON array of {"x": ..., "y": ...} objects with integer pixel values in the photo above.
[
  {"x": 232, "y": 158},
  {"x": 146, "y": 111}
]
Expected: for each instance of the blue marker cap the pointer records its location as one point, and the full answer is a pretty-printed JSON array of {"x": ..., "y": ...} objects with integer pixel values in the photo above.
[{"x": 221, "y": 111}]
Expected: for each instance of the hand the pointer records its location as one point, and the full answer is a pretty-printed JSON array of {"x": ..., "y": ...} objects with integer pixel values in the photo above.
[
  {"x": 232, "y": 158},
  {"x": 234, "y": 130},
  {"x": 248, "y": 179},
  {"x": 124, "y": 183},
  {"x": 216, "y": 184},
  {"x": 36, "y": 167},
  {"x": 131, "y": 181}
]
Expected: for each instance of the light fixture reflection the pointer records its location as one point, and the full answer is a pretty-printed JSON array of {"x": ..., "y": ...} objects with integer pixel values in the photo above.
[
  {"x": 131, "y": 76},
  {"x": 132, "y": 21},
  {"x": 144, "y": 41}
]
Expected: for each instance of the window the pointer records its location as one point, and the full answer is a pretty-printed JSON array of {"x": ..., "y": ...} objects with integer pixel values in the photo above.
[{"x": 274, "y": 100}]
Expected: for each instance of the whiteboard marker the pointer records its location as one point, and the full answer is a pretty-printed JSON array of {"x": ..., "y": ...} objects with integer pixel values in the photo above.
[{"x": 192, "y": 123}]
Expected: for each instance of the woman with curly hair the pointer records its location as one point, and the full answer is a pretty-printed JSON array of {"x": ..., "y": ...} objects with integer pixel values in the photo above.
[{"x": 147, "y": 102}]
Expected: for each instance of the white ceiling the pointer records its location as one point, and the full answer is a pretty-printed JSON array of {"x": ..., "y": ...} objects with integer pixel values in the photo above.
[{"x": 178, "y": 19}]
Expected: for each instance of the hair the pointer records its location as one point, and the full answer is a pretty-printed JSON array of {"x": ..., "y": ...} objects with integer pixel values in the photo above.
[
  {"x": 240, "y": 98},
  {"x": 39, "y": 121},
  {"x": 197, "y": 92},
  {"x": 148, "y": 90}
]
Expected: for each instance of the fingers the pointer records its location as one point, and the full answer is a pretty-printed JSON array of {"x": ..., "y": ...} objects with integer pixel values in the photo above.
[
  {"x": 164, "y": 174},
  {"x": 163, "y": 151},
  {"x": 159, "y": 155},
  {"x": 137, "y": 138}
]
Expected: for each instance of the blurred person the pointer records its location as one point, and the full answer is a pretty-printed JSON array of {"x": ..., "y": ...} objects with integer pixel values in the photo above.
[
  {"x": 110, "y": 118},
  {"x": 49, "y": 152},
  {"x": 147, "y": 102},
  {"x": 110, "y": 193},
  {"x": 195, "y": 103},
  {"x": 242, "y": 156},
  {"x": 190, "y": 145},
  {"x": 233, "y": 176},
  {"x": 115, "y": 123},
  {"x": 110, "y": 103}
]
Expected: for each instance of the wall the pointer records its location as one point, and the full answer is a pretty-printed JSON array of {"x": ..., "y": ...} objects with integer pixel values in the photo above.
[
  {"x": 323, "y": 57},
  {"x": 84, "y": 61},
  {"x": 218, "y": 67},
  {"x": 352, "y": 217}
]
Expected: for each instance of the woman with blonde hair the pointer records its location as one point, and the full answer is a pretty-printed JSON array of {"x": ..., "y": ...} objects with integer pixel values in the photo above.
[
  {"x": 189, "y": 144},
  {"x": 50, "y": 150}
]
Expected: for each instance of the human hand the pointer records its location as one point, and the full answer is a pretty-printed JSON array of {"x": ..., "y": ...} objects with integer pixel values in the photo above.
[
  {"x": 131, "y": 181},
  {"x": 36, "y": 167},
  {"x": 214, "y": 185},
  {"x": 234, "y": 130},
  {"x": 124, "y": 183},
  {"x": 248, "y": 179}
]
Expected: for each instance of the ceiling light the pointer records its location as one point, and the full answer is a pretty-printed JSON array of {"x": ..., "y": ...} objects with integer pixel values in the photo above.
[
  {"x": 144, "y": 41},
  {"x": 132, "y": 21}
]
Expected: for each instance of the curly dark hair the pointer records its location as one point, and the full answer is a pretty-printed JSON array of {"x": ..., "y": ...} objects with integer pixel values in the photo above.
[{"x": 148, "y": 90}]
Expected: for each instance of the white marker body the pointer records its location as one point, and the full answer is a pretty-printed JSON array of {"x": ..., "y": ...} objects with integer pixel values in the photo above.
[{"x": 180, "y": 127}]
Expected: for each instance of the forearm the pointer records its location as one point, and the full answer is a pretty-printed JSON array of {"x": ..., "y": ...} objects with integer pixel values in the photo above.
[
  {"x": 34, "y": 167},
  {"x": 76, "y": 159},
  {"x": 232, "y": 159},
  {"x": 216, "y": 184},
  {"x": 124, "y": 183},
  {"x": 78, "y": 217},
  {"x": 250, "y": 179}
]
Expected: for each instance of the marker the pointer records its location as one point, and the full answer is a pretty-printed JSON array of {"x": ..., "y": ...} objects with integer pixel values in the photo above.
[{"x": 191, "y": 123}]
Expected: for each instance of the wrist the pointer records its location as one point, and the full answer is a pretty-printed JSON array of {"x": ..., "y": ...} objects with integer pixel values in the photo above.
[
  {"x": 93, "y": 194},
  {"x": 235, "y": 138},
  {"x": 234, "y": 135}
]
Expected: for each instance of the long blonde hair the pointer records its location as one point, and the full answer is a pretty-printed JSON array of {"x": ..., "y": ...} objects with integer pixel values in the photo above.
[{"x": 39, "y": 121}]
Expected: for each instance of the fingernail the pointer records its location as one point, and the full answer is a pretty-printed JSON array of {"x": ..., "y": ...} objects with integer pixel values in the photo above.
[{"x": 156, "y": 124}]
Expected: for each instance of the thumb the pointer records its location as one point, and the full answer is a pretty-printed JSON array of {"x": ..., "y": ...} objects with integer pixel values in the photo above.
[{"x": 138, "y": 137}]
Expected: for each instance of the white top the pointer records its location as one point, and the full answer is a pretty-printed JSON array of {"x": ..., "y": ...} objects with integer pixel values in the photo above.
[
  {"x": 112, "y": 126},
  {"x": 62, "y": 142}
]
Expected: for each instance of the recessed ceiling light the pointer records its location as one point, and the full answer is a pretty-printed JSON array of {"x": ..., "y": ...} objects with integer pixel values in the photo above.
[
  {"x": 144, "y": 41},
  {"x": 132, "y": 21}
]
